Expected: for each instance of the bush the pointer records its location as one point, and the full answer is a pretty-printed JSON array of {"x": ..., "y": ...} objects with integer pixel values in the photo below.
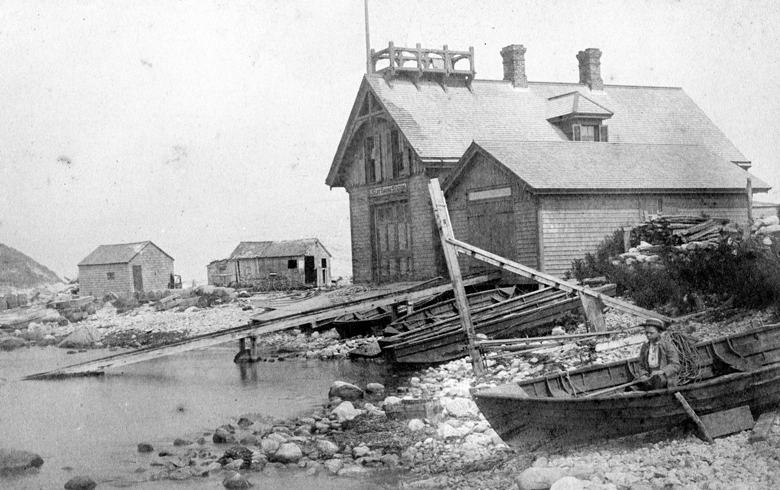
[{"x": 744, "y": 271}]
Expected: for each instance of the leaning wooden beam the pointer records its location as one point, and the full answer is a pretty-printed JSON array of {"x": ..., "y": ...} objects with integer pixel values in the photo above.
[
  {"x": 451, "y": 256},
  {"x": 257, "y": 327},
  {"x": 552, "y": 281}
]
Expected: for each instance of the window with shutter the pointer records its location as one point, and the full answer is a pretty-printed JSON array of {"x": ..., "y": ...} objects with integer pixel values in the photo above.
[
  {"x": 576, "y": 132},
  {"x": 604, "y": 133}
]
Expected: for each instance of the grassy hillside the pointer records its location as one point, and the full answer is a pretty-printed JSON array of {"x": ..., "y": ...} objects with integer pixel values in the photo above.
[{"x": 20, "y": 271}]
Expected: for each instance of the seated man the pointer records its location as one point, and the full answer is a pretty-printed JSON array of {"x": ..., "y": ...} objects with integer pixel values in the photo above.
[{"x": 659, "y": 361}]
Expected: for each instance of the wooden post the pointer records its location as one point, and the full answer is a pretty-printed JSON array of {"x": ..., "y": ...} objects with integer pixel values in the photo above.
[
  {"x": 692, "y": 415},
  {"x": 750, "y": 201},
  {"x": 445, "y": 232},
  {"x": 626, "y": 239},
  {"x": 253, "y": 349}
]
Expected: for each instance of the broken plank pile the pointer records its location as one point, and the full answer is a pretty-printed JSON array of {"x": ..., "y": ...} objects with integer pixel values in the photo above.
[{"x": 445, "y": 340}]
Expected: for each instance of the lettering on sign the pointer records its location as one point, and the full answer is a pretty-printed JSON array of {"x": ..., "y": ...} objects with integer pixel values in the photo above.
[
  {"x": 490, "y": 194},
  {"x": 387, "y": 190}
]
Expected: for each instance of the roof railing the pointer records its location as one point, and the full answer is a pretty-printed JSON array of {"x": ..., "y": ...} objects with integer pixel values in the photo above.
[{"x": 417, "y": 62}]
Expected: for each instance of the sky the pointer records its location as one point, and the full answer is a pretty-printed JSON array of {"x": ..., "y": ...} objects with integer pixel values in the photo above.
[{"x": 200, "y": 124}]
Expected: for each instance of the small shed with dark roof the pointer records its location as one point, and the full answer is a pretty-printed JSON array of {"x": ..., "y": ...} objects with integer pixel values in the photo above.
[
  {"x": 538, "y": 172},
  {"x": 125, "y": 269},
  {"x": 305, "y": 262}
]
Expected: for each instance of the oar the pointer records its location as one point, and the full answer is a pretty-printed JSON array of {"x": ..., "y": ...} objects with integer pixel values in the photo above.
[
  {"x": 694, "y": 417},
  {"x": 613, "y": 388}
]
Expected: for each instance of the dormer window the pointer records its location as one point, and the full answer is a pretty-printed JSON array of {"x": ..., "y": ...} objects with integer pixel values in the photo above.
[
  {"x": 589, "y": 132},
  {"x": 579, "y": 117}
]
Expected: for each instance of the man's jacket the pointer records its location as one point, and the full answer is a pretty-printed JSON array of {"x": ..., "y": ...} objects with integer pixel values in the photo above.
[{"x": 668, "y": 359}]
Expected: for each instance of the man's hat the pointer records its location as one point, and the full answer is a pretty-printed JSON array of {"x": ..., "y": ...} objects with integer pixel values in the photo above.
[{"x": 654, "y": 322}]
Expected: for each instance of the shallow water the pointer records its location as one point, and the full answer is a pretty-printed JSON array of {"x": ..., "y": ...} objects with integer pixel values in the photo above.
[{"x": 94, "y": 424}]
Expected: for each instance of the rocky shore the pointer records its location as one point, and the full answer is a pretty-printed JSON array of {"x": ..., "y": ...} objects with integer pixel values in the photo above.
[{"x": 428, "y": 433}]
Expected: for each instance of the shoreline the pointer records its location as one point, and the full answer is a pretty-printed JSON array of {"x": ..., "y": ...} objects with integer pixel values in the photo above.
[{"x": 453, "y": 448}]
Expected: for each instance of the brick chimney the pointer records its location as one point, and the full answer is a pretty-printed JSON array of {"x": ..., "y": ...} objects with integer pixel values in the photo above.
[
  {"x": 590, "y": 68},
  {"x": 514, "y": 65}
]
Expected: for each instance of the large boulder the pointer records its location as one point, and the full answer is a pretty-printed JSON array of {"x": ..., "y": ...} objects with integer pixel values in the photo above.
[
  {"x": 345, "y": 391},
  {"x": 536, "y": 478},
  {"x": 80, "y": 483},
  {"x": 346, "y": 411},
  {"x": 461, "y": 407},
  {"x": 327, "y": 448},
  {"x": 37, "y": 331},
  {"x": 80, "y": 338},
  {"x": 235, "y": 480},
  {"x": 288, "y": 453},
  {"x": 12, "y": 460},
  {"x": 542, "y": 478},
  {"x": 11, "y": 343}
]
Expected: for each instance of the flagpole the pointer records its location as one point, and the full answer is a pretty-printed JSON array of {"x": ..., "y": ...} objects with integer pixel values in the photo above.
[{"x": 368, "y": 41}]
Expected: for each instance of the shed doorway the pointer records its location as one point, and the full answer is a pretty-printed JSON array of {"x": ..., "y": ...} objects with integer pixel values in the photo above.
[
  {"x": 309, "y": 272},
  {"x": 491, "y": 227},
  {"x": 138, "y": 279}
]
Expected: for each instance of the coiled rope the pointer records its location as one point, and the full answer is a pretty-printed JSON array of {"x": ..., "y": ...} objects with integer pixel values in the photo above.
[{"x": 690, "y": 359}]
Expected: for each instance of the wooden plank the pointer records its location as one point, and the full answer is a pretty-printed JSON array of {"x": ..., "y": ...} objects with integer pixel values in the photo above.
[
  {"x": 442, "y": 216},
  {"x": 728, "y": 422},
  {"x": 257, "y": 327},
  {"x": 764, "y": 425},
  {"x": 617, "y": 344}
]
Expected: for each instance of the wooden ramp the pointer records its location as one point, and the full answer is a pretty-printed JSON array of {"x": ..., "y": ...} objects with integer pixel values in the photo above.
[{"x": 260, "y": 325}]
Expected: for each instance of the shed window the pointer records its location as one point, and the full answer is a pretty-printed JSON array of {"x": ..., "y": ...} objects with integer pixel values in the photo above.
[
  {"x": 110, "y": 276},
  {"x": 324, "y": 263},
  {"x": 292, "y": 264}
]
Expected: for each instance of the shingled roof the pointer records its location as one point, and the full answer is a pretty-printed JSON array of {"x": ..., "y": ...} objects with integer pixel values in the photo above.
[
  {"x": 119, "y": 253},
  {"x": 283, "y": 248},
  {"x": 561, "y": 166},
  {"x": 442, "y": 124}
]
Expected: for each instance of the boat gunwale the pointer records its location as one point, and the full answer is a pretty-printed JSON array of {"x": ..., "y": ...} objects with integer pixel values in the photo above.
[{"x": 493, "y": 393}]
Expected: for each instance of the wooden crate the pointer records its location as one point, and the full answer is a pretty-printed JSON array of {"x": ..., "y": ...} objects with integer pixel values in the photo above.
[{"x": 414, "y": 409}]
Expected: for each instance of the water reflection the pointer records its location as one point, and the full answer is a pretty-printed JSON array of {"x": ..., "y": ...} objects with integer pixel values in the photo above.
[{"x": 93, "y": 424}]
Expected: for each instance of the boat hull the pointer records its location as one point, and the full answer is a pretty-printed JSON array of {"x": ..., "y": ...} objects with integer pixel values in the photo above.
[{"x": 548, "y": 411}]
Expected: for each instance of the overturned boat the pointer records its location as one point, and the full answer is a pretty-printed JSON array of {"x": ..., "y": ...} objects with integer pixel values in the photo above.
[
  {"x": 592, "y": 403},
  {"x": 529, "y": 314}
]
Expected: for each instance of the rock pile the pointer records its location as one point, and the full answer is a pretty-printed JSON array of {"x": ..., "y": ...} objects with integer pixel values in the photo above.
[{"x": 768, "y": 229}]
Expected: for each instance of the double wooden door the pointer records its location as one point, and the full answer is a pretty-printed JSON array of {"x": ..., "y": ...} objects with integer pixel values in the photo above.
[
  {"x": 392, "y": 242},
  {"x": 491, "y": 226}
]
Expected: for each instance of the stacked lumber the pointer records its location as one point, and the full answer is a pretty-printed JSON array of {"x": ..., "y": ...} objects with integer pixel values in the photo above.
[
  {"x": 201, "y": 297},
  {"x": 75, "y": 309},
  {"x": 681, "y": 233},
  {"x": 18, "y": 318}
]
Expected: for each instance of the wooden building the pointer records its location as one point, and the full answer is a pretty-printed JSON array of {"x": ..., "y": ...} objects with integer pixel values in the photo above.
[
  {"x": 221, "y": 272},
  {"x": 124, "y": 269},
  {"x": 305, "y": 262},
  {"x": 603, "y": 156}
]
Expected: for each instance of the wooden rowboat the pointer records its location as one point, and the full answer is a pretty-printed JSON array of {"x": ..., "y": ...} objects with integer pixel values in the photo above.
[
  {"x": 565, "y": 408},
  {"x": 528, "y": 314},
  {"x": 370, "y": 322},
  {"x": 373, "y": 321}
]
